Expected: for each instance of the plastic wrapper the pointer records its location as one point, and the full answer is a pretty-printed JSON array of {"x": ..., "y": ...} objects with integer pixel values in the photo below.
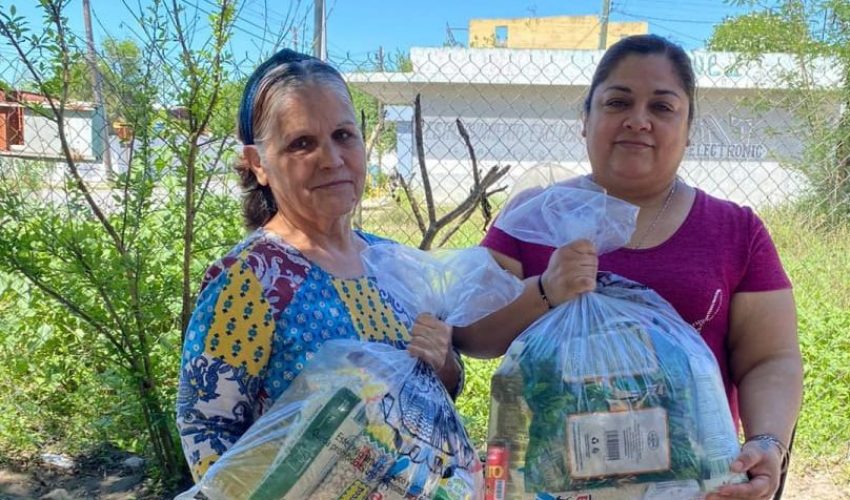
[
  {"x": 366, "y": 420},
  {"x": 362, "y": 421},
  {"x": 611, "y": 395},
  {"x": 457, "y": 286}
]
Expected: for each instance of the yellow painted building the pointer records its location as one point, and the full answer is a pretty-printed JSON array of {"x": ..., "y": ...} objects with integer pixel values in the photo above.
[{"x": 559, "y": 32}]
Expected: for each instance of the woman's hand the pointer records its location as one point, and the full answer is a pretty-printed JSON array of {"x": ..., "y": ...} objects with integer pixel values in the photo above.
[
  {"x": 762, "y": 462},
  {"x": 571, "y": 272},
  {"x": 431, "y": 341}
]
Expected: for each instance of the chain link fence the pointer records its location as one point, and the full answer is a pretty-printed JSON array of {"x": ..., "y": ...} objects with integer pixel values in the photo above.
[
  {"x": 754, "y": 140},
  {"x": 758, "y": 137},
  {"x": 451, "y": 134}
]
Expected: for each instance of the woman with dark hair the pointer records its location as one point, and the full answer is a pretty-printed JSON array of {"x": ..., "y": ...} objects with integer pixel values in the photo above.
[
  {"x": 711, "y": 259},
  {"x": 297, "y": 279}
]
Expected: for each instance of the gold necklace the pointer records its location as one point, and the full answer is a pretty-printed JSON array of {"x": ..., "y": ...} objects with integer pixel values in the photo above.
[{"x": 639, "y": 243}]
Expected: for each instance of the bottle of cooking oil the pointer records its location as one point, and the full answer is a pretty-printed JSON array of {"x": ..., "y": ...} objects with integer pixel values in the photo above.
[{"x": 507, "y": 437}]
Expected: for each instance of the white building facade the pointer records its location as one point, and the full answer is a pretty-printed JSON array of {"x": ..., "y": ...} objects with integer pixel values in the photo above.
[{"x": 523, "y": 108}]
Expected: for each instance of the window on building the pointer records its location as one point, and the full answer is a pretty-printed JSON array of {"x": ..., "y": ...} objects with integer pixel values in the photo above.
[
  {"x": 501, "y": 36},
  {"x": 16, "y": 126},
  {"x": 11, "y": 127}
]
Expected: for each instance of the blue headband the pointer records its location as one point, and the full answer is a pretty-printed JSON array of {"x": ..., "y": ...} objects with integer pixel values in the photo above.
[{"x": 246, "y": 107}]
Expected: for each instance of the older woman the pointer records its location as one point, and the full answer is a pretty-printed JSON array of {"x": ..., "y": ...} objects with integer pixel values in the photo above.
[
  {"x": 711, "y": 259},
  {"x": 297, "y": 280}
]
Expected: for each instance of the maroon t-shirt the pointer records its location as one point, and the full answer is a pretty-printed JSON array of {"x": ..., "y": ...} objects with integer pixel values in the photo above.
[{"x": 719, "y": 250}]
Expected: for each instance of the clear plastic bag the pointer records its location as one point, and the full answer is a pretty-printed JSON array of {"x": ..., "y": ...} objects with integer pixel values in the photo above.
[
  {"x": 612, "y": 394},
  {"x": 362, "y": 420},
  {"x": 457, "y": 286},
  {"x": 366, "y": 420}
]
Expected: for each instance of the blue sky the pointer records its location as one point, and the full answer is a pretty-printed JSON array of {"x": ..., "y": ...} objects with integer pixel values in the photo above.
[{"x": 356, "y": 28}]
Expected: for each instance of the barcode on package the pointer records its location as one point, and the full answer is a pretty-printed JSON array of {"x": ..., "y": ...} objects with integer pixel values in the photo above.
[
  {"x": 618, "y": 443},
  {"x": 500, "y": 489},
  {"x": 612, "y": 443}
]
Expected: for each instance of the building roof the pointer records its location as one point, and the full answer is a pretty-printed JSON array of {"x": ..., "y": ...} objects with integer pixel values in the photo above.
[
  {"x": 570, "y": 68},
  {"x": 24, "y": 99}
]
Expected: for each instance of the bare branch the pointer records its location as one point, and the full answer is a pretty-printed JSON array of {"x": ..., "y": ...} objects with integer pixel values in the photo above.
[
  {"x": 493, "y": 175},
  {"x": 375, "y": 134},
  {"x": 420, "y": 153},
  {"x": 413, "y": 206},
  {"x": 485, "y": 203},
  {"x": 460, "y": 222}
]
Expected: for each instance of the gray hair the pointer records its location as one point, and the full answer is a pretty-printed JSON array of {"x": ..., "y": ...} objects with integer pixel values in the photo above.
[{"x": 263, "y": 107}]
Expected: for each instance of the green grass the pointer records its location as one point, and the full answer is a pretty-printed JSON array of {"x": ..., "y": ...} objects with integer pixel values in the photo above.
[{"x": 817, "y": 260}]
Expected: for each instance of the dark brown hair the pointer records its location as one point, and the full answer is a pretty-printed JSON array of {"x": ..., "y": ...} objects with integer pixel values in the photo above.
[{"x": 646, "y": 45}]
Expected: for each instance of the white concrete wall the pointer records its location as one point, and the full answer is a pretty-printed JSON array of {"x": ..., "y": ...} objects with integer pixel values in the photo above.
[
  {"x": 735, "y": 152},
  {"x": 41, "y": 136}
]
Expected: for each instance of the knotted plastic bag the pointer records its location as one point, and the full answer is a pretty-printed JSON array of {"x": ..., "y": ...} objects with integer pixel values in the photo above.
[
  {"x": 362, "y": 420},
  {"x": 366, "y": 420},
  {"x": 459, "y": 287},
  {"x": 612, "y": 394}
]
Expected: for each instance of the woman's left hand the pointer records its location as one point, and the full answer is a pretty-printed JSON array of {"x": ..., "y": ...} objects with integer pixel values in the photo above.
[
  {"x": 431, "y": 341},
  {"x": 762, "y": 462}
]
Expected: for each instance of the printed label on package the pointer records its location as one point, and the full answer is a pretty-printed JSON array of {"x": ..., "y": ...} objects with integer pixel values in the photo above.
[
  {"x": 622, "y": 351},
  {"x": 613, "y": 444}
]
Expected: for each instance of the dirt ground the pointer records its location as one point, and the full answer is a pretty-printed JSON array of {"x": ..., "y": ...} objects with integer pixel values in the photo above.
[
  {"x": 104, "y": 477},
  {"x": 820, "y": 484},
  {"x": 101, "y": 474}
]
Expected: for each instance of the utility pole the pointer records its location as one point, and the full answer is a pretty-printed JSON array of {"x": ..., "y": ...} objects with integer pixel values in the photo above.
[
  {"x": 603, "y": 24},
  {"x": 98, "y": 90},
  {"x": 380, "y": 109},
  {"x": 320, "y": 43}
]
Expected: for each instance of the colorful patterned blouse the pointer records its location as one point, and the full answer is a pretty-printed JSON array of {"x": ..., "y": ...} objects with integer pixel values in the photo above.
[{"x": 262, "y": 313}]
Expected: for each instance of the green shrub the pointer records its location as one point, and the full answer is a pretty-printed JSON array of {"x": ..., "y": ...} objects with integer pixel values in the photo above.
[{"x": 817, "y": 259}]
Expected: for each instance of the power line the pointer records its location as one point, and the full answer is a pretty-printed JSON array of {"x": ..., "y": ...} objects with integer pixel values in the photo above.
[
  {"x": 651, "y": 18},
  {"x": 691, "y": 37},
  {"x": 236, "y": 26}
]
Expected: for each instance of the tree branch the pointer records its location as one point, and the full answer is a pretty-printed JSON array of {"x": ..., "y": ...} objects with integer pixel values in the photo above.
[
  {"x": 420, "y": 154},
  {"x": 420, "y": 223},
  {"x": 75, "y": 310}
]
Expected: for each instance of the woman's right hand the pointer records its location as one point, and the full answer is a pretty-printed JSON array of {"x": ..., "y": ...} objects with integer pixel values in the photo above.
[{"x": 571, "y": 272}]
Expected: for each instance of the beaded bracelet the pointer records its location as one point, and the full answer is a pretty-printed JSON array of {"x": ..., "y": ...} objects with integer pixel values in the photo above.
[
  {"x": 543, "y": 292},
  {"x": 784, "y": 452}
]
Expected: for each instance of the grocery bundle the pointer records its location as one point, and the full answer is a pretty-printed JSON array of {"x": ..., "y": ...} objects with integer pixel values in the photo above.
[
  {"x": 611, "y": 395},
  {"x": 366, "y": 420},
  {"x": 362, "y": 420}
]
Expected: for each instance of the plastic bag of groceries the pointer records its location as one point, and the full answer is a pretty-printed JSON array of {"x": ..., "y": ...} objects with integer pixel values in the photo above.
[
  {"x": 367, "y": 420},
  {"x": 362, "y": 420},
  {"x": 611, "y": 395}
]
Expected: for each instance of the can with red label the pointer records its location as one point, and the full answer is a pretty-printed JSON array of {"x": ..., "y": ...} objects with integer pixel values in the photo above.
[{"x": 496, "y": 471}]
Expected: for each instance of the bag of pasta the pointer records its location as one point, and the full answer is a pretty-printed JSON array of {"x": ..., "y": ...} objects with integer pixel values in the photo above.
[{"x": 610, "y": 395}]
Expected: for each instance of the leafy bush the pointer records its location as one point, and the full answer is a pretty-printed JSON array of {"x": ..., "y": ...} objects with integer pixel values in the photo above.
[{"x": 817, "y": 258}]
